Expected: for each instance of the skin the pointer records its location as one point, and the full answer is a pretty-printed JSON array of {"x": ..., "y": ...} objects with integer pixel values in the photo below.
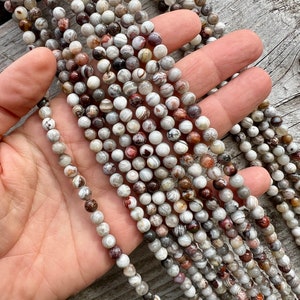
[{"x": 48, "y": 247}]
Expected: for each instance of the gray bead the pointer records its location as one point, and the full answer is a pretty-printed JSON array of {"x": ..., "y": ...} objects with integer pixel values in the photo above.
[{"x": 53, "y": 135}]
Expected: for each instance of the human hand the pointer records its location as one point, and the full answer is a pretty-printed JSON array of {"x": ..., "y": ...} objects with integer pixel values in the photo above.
[{"x": 48, "y": 247}]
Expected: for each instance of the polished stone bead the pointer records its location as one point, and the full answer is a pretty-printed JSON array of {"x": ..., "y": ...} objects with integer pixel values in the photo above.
[{"x": 91, "y": 205}]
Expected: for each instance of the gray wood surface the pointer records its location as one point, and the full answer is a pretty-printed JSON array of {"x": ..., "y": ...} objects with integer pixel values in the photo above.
[{"x": 277, "y": 22}]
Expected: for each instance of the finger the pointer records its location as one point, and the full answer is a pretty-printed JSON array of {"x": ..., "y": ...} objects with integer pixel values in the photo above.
[
  {"x": 217, "y": 61},
  {"x": 257, "y": 179},
  {"x": 237, "y": 99},
  {"x": 23, "y": 84},
  {"x": 173, "y": 27}
]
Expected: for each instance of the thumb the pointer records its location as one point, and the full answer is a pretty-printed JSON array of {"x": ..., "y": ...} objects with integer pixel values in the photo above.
[{"x": 23, "y": 84}]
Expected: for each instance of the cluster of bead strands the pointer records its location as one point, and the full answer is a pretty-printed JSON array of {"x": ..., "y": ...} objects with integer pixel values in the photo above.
[
  {"x": 265, "y": 141},
  {"x": 156, "y": 172},
  {"x": 84, "y": 192}
]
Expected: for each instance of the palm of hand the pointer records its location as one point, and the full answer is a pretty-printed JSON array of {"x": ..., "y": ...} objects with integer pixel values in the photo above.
[{"x": 48, "y": 247}]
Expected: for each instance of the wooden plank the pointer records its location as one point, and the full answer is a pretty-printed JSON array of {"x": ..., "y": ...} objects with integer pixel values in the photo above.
[{"x": 277, "y": 22}]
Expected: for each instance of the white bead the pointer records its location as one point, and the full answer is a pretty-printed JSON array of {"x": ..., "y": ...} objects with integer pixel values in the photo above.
[
  {"x": 160, "y": 51},
  {"x": 124, "y": 166},
  {"x": 235, "y": 129},
  {"x": 293, "y": 223},
  {"x": 108, "y": 16},
  {"x": 283, "y": 160},
  {"x": 226, "y": 195},
  {"x": 103, "y": 65},
  {"x": 188, "y": 98},
  {"x": 172, "y": 220},
  {"x": 118, "y": 129},
  {"x": 77, "y": 6},
  {"x": 139, "y": 74},
  {"x": 112, "y": 52},
  {"x": 185, "y": 126},
  {"x": 292, "y": 147},
  {"x": 93, "y": 82},
  {"x": 186, "y": 217},
  {"x": 153, "y": 99},
  {"x": 124, "y": 75},
  {"x": 278, "y": 150},
  {"x": 195, "y": 170},
  {"x": 108, "y": 241},
  {"x": 155, "y": 137},
  {"x": 48, "y": 123},
  {"x": 126, "y": 115},
  {"x": 245, "y": 146},
  {"x": 263, "y": 148},
  {"x": 191, "y": 292},
  {"x": 296, "y": 232},
  {"x": 238, "y": 217},
  {"x": 273, "y": 190},
  {"x": 283, "y": 207},
  {"x": 162, "y": 149},
  {"x": 173, "y": 271},
  {"x": 124, "y": 191},
  {"x": 251, "y": 155},
  {"x": 167, "y": 123},
  {"x": 20, "y": 13},
  {"x": 161, "y": 254},
  {"x": 116, "y": 180},
  {"x": 117, "y": 155},
  {"x": 53, "y": 135},
  {"x": 219, "y": 214},
  {"x": 135, "y": 280},
  {"x": 200, "y": 182},
  {"x": 137, "y": 214},
  {"x": 158, "y": 197},
  {"x": 185, "y": 240},
  {"x": 173, "y": 195},
  {"x": 134, "y": 6},
  {"x": 145, "y": 199},
  {"x": 146, "y": 174},
  {"x": 97, "y": 217},
  {"x": 202, "y": 123},
  {"x": 288, "y": 193},
  {"x": 200, "y": 149},
  {"x": 288, "y": 215},
  {"x": 277, "y": 175},
  {"x": 133, "y": 126},
  {"x": 290, "y": 168},
  {"x": 214, "y": 173},
  {"x": 253, "y": 131},
  {"x": 103, "y": 229},
  {"x": 123, "y": 261},
  {"x": 181, "y": 147},
  {"x": 138, "y": 163},
  {"x": 120, "y": 40},
  {"x": 200, "y": 236},
  {"x": 258, "y": 212},
  {"x": 217, "y": 147},
  {"x": 73, "y": 99},
  {"x": 147, "y": 27},
  {"x": 29, "y": 37},
  {"x": 153, "y": 162},
  {"x": 236, "y": 181},
  {"x": 152, "y": 67},
  {"x": 143, "y": 225},
  {"x": 282, "y": 130},
  {"x": 251, "y": 202}
]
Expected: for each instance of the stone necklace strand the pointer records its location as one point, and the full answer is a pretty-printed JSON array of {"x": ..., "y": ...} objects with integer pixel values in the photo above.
[{"x": 162, "y": 156}]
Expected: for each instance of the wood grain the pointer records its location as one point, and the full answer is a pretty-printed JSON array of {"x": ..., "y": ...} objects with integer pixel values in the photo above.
[{"x": 277, "y": 22}]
